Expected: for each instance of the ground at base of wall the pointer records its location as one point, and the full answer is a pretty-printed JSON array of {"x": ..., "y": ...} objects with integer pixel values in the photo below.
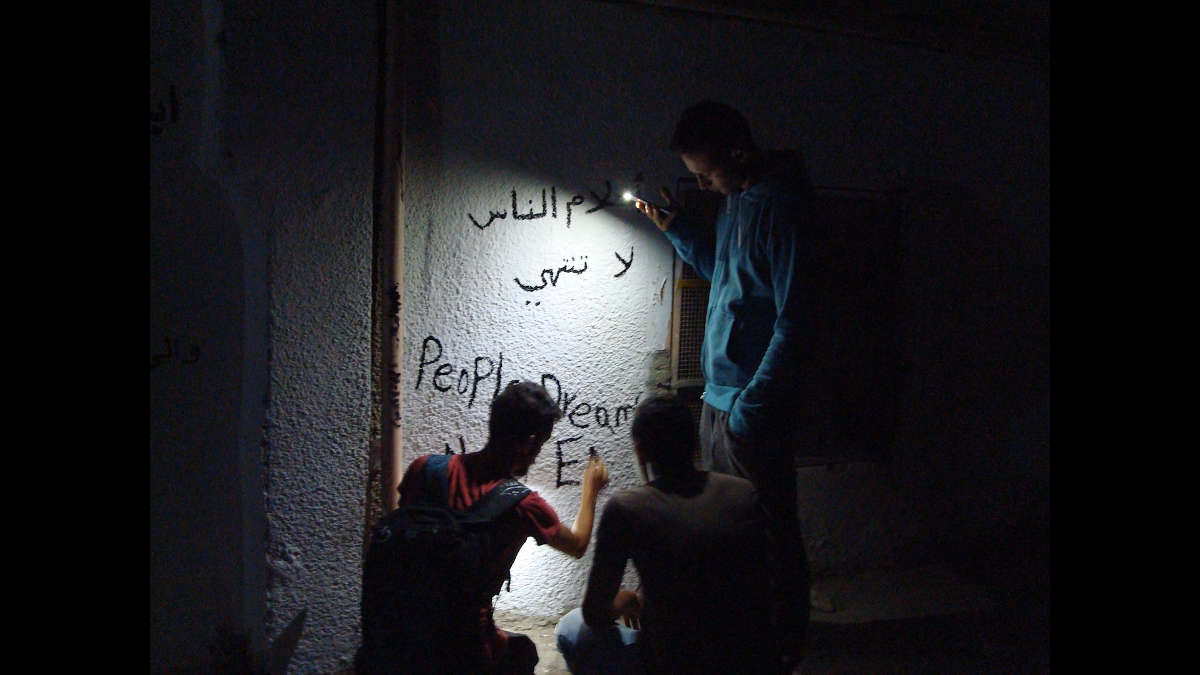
[
  {"x": 925, "y": 619},
  {"x": 541, "y": 631}
]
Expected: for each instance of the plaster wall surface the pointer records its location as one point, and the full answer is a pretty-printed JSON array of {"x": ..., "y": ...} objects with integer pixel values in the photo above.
[
  {"x": 300, "y": 116},
  {"x": 208, "y": 361}
]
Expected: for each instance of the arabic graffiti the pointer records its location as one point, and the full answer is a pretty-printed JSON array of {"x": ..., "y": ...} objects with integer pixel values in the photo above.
[
  {"x": 542, "y": 203},
  {"x": 624, "y": 262},
  {"x": 575, "y": 200},
  {"x": 192, "y": 355},
  {"x": 160, "y": 116},
  {"x": 531, "y": 215},
  {"x": 601, "y": 202},
  {"x": 550, "y": 276}
]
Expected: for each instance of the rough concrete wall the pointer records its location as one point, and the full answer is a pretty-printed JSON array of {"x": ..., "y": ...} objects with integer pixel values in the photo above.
[
  {"x": 207, "y": 364},
  {"x": 301, "y": 133}
]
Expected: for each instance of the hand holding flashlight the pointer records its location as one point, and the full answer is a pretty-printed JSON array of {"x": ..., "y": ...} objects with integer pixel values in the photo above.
[{"x": 661, "y": 216}]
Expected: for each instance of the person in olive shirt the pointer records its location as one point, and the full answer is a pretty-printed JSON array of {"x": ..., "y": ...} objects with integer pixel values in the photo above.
[{"x": 709, "y": 559}]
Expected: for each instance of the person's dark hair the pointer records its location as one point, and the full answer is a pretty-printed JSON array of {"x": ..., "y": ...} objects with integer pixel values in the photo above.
[
  {"x": 522, "y": 409},
  {"x": 665, "y": 433},
  {"x": 711, "y": 127}
]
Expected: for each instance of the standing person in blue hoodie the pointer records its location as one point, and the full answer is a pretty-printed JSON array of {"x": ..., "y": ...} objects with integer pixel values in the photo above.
[
  {"x": 761, "y": 260},
  {"x": 758, "y": 335}
]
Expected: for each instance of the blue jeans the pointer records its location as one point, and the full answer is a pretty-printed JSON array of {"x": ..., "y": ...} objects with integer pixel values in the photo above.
[{"x": 610, "y": 650}]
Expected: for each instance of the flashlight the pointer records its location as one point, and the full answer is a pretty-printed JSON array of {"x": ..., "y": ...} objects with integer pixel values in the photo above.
[{"x": 629, "y": 197}]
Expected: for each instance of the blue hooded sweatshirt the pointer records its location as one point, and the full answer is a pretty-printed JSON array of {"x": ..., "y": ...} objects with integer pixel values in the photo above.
[{"x": 758, "y": 332}]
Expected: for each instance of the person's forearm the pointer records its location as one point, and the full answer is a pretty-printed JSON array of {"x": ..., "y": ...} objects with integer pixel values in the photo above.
[
  {"x": 604, "y": 579},
  {"x": 584, "y": 519},
  {"x": 696, "y": 251}
]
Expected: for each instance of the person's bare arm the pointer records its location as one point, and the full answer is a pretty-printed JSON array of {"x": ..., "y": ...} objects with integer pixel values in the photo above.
[
  {"x": 574, "y": 540},
  {"x": 603, "y": 598}
]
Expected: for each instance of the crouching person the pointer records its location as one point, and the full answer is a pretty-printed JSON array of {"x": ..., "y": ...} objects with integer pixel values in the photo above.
[
  {"x": 434, "y": 565},
  {"x": 711, "y": 571}
]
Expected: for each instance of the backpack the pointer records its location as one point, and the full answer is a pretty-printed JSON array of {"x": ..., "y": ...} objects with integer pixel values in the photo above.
[{"x": 424, "y": 579}]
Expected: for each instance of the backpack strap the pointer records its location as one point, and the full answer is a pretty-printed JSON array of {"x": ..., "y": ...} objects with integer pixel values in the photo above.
[
  {"x": 437, "y": 480},
  {"x": 498, "y": 500},
  {"x": 495, "y": 503}
]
